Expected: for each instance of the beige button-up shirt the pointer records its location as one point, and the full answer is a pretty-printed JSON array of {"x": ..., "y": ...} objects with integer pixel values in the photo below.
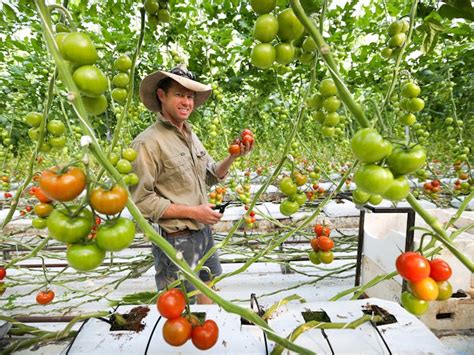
[{"x": 172, "y": 168}]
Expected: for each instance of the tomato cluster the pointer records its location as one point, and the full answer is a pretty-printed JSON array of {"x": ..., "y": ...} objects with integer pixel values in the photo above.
[
  {"x": 427, "y": 281},
  {"x": 397, "y": 33},
  {"x": 216, "y": 197},
  {"x": 289, "y": 185},
  {"x": 384, "y": 169},
  {"x": 179, "y": 327},
  {"x": 56, "y": 130},
  {"x": 123, "y": 163},
  {"x": 121, "y": 79},
  {"x": 322, "y": 245},
  {"x": 246, "y": 138},
  {"x": 243, "y": 189},
  {"x": 268, "y": 27},
  {"x": 87, "y": 238},
  {"x": 325, "y": 104},
  {"x": 250, "y": 219},
  {"x": 158, "y": 12}
]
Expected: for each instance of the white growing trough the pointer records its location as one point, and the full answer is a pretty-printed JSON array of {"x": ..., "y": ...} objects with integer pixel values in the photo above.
[{"x": 406, "y": 335}]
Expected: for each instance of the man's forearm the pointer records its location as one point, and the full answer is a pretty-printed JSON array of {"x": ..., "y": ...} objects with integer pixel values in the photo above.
[
  {"x": 179, "y": 211},
  {"x": 224, "y": 165}
]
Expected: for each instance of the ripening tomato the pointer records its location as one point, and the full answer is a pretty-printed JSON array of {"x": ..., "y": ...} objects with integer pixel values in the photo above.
[
  {"x": 320, "y": 230},
  {"x": 315, "y": 244},
  {"x": 205, "y": 336},
  {"x": 426, "y": 289},
  {"x": 325, "y": 243},
  {"x": 440, "y": 270},
  {"x": 445, "y": 290},
  {"x": 246, "y": 132},
  {"x": 43, "y": 209},
  {"x": 40, "y": 195},
  {"x": 326, "y": 257},
  {"x": 62, "y": 185},
  {"x": 412, "y": 266},
  {"x": 109, "y": 202},
  {"x": 171, "y": 303},
  {"x": 177, "y": 331}
]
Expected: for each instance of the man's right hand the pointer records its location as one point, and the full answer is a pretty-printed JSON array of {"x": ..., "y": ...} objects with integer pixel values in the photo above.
[{"x": 206, "y": 215}]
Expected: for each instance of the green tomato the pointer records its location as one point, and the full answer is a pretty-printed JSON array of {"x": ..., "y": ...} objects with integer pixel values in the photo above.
[
  {"x": 415, "y": 105},
  {"x": 78, "y": 48},
  {"x": 116, "y": 234},
  {"x": 287, "y": 186},
  {"x": 90, "y": 80},
  {"x": 332, "y": 119},
  {"x": 114, "y": 158},
  {"x": 331, "y": 104},
  {"x": 34, "y": 119},
  {"x": 121, "y": 80},
  {"x": 124, "y": 166},
  {"x": 395, "y": 27},
  {"x": 131, "y": 179},
  {"x": 398, "y": 189},
  {"x": 57, "y": 142},
  {"x": 39, "y": 223},
  {"x": 413, "y": 304},
  {"x": 68, "y": 229},
  {"x": 265, "y": 28},
  {"x": 314, "y": 257},
  {"x": 300, "y": 198},
  {"x": 408, "y": 120},
  {"x": 284, "y": 53},
  {"x": 328, "y": 88},
  {"x": 369, "y": 146},
  {"x": 151, "y": 6},
  {"x": 290, "y": 28},
  {"x": 315, "y": 102},
  {"x": 288, "y": 207},
  {"x": 373, "y": 179},
  {"x": 95, "y": 105},
  {"x": 129, "y": 153},
  {"x": 56, "y": 127},
  {"x": 404, "y": 161},
  {"x": 123, "y": 63},
  {"x": 410, "y": 90},
  {"x": 85, "y": 257},
  {"x": 328, "y": 131},
  {"x": 375, "y": 200},
  {"x": 360, "y": 197},
  {"x": 119, "y": 94},
  {"x": 309, "y": 45}
]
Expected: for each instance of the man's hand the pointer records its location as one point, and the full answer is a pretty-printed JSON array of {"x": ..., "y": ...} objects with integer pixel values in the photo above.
[{"x": 206, "y": 215}]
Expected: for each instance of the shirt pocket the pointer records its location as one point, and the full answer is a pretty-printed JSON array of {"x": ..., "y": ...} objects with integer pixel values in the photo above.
[
  {"x": 201, "y": 162},
  {"x": 175, "y": 168}
]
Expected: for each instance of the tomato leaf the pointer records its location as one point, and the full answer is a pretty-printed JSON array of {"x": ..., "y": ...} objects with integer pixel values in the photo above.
[
  {"x": 457, "y": 9},
  {"x": 282, "y": 302}
]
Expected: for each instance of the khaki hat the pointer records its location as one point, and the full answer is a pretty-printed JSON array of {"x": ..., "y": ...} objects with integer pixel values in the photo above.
[{"x": 179, "y": 74}]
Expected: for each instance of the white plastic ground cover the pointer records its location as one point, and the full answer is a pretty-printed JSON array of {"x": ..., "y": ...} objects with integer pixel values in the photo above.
[
  {"x": 407, "y": 336},
  {"x": 456, "y": 202},
  {"x": 234, "y": 338},
  {"x": 342, "y": 208}
]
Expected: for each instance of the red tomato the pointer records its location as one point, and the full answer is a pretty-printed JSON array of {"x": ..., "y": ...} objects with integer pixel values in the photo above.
[
  {"x": 3, "y": 273},
  {"x": 247, "y": 139},
  {"x": 412, "y": 266},
  {"x": 44, "y": 297},
  {"x": 325, "y": 243},
  {"x": 440, "y": 270},
  {"x": 64, "y": 186},
  {"x": 435, "y": 183},
  {"x": 205, "y": 336},
  {"x": 109, "y": 202},
  {"x": 234, "y": 149},
  {"x": 315, "y": 244},
  {"x": 246, "y": 132},
  {"x": 320, "y": 230},
  {"x": 426, "y": 289},
  {"x": 171, "y": 303},
  {"x": 177, "y": 331}
]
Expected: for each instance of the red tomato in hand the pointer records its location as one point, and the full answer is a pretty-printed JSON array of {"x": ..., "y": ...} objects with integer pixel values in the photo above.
[
  {"x": 63, "y": 186},
  {"x": 205, "y": 336},
  {"x": 440, "y": 270},
  {"x": 44, "y": 297},
  {"x": 177, "y": 331},
  {"x": 412, "y": 266},
  {"x": 234, "y": 149},
  {"x": 171, "y": 303},
  {"x": 247, "y": 139},
  {"x": 246, "y": 132}
]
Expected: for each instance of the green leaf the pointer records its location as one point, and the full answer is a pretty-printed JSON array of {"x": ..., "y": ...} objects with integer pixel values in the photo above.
[
  {"x": 431, "y": 29},
  {"x": 280, "y": 303},
  {"x": 457, "y": 9}
]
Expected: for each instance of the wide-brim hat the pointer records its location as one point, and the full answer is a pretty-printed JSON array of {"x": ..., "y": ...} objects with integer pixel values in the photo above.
[{"x": 149, "y": 85}]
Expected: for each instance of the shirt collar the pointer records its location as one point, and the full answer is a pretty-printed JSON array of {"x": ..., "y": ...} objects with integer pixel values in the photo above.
[{"x": 168, "y": 124}]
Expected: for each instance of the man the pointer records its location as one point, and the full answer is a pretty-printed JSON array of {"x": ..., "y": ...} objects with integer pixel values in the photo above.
[{"x": 174, "y": 169}]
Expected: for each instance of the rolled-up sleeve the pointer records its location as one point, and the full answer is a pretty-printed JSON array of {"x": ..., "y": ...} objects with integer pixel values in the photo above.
[
  {"x": 150, "y": 204},
  {"x": 211, "y": 172}
]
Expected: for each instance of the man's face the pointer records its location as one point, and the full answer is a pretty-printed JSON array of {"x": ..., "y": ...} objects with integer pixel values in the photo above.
[{"x": 177, "y": 103}]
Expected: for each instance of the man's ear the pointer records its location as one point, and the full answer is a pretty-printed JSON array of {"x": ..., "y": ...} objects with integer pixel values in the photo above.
[{"x": 160, "y": 94}]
